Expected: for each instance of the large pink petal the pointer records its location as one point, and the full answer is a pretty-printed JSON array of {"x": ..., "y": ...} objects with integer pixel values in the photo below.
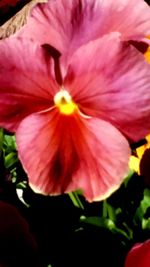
[
  {"x": 139, "y": 255},
  {"x": 66, "y": 25},
  {"x": 129, "y": 17},
  {"x": 26, "y": 80},
  {"x": 65, "y": 153},
  {"x": 104, "y": 155},
  {"x": 111, "y": 79}
]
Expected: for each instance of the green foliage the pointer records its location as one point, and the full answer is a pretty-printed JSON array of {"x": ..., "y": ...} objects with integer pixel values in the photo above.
[
  {"x": 9, "y": 149},
  {"x": 142, "y": 209},
  {"x": 126, "y": 213},
  {"x": 1, "y": 141}
]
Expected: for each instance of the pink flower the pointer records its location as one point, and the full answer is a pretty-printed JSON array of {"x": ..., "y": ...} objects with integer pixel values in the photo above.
[
  {"x": 66, "y": 25},
  {"x": 70, "y": 127},
  {"x": 139, "y": 256}
]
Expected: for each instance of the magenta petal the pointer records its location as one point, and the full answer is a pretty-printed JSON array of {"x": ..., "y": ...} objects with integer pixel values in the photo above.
[
  {"x": 104, "y": 155},
  {"x": 26, "y": 81},
  {"x": 63, "y": 24},
  {"x": 66, "y": 25},
  {"x": 65, "y": 153},
  {"x": 110, "y": 79},
  {"x": 129, "y": 17},
  {"x": 47, "y": 150},
  {"x": 139, "y": 256}
]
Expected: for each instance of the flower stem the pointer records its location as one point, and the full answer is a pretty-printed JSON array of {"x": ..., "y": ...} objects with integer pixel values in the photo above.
[
  {"x": 76, "y": 200},
  {"x": 105, "y": 210}
]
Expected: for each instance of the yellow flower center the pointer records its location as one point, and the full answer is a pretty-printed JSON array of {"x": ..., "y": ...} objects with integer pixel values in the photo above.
[{"x": 64, "y": 102}]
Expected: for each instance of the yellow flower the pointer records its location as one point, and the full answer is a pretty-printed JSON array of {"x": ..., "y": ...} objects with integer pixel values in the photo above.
[{"x": 134, "y": 162}]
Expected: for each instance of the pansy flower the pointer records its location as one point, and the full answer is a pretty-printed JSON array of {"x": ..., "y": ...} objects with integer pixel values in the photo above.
[{"x": 71, "y": 123}]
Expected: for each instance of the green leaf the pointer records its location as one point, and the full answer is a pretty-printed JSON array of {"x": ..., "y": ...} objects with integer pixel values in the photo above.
[
  {"x": 9, "y": 143},
  {"x": 22, "y": 185},
  {"x": 109, "y": 224},
  {"x": 10, "y": 159},
  {"x": 128, "y": 177},
  {"x": 98, "y": 221},
  {"x": 76, "y": 200},
  {"x": 1, "y": 140},
  {"x": 109, "y": 211},
  {"x": 144, "y": 205},
  {"x": 146, "y": 224}
]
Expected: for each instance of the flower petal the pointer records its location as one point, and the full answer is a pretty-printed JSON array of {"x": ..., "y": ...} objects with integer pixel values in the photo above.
[
  {"x": 66, "y": 25},
  {"x": 85, "y": 21},
  {"x": 50, "y": 137},
  {"x": 139, "y": 255},
  {"x": 26, "y": 81},
  {"x": 129, "y": 17},
  {"x": 65, "y": 153},
  {"x": 110, "y": 79},
  {"x": 104, "y": 156}
]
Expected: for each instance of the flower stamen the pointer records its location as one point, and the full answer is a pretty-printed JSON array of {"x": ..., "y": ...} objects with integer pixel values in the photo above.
[{"x": 64, "y": 103}]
